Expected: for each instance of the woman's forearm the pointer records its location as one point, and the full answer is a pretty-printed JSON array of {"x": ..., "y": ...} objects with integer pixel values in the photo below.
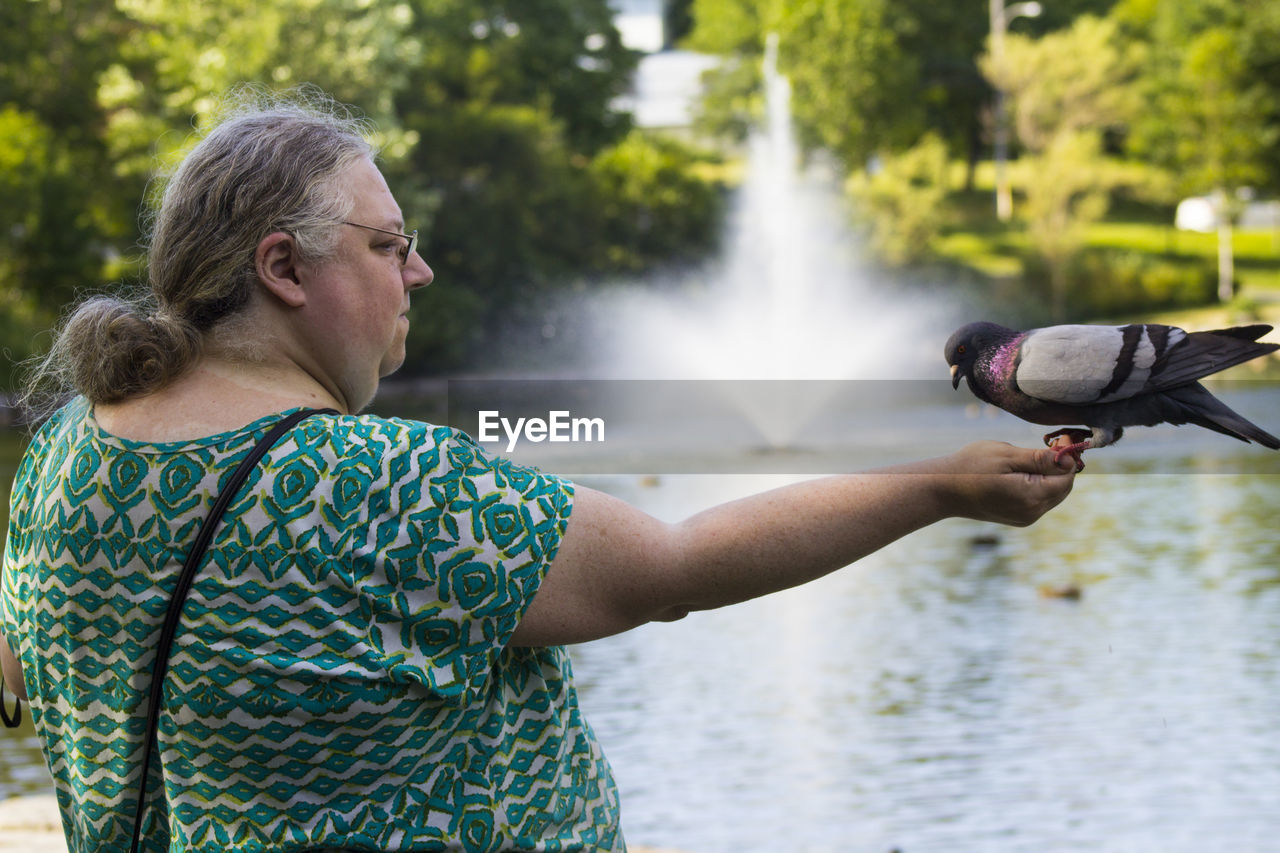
[
  {"x": 789, "y": 536},
  {"x": 619, "y": 567}
]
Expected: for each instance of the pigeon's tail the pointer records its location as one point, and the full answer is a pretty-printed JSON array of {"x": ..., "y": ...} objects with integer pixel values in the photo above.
[
  {"x": 1200, "y": 407},
  {"x": 1244, "y": 333}
]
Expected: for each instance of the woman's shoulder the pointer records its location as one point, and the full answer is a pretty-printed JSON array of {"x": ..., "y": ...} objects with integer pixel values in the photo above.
[
  {"x": 352, "y": 433},
  {"x": 388, "y": 442},
  {"x": 69, "y": 418},
  {"x": 432, "y": 450}
]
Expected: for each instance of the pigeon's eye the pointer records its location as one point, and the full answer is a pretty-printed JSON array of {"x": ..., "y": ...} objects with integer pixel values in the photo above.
[{"x": 960, "y": 349}]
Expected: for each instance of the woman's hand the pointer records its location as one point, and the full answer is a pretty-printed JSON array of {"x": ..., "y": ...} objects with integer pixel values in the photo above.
[{"x": 994, "y": 481}]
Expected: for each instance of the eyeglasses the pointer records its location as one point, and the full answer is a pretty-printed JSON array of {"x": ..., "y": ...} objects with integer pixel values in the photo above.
[{"x": 405, "y": 252}]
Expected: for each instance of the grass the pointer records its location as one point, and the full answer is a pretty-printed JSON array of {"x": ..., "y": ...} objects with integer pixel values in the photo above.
[
  {"x": 978, "y": 241},
  {"x": 1257, "y": 251}
]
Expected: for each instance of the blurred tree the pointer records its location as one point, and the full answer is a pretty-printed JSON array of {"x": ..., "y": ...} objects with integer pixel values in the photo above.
[
  {"x": 1261, "y": 51},
  {"x": 730, "y": 104},
  {"x": 869, "y": 76},
  {"x": 513, "y": 211},
  {"x": 730, "y": 101},
  {"x": 24, "y": 172},
  {"x": 654, "y": 206},
  {"x": 953, "y": 94},
  {"x": 1213, "y": 102},
  {"x": 677, "y": 21},
  {"x": 728, "y": 27},
  {"x": 507, "y": 107},
  {"x": 491, "y": 113},
  {"x": 1067, "y": 190},
  {"x": 64, "y": 216},
  {"x": 902, "y": 202},
  {"x": 1076, "y": 79},
  {"x": 562, "y": 56},
  {"x": 856, "y": 90},
  {"x": 188, "y": 55},
  {"x": 1067, "y": 89},
  {"x": 509, "y": 211}
]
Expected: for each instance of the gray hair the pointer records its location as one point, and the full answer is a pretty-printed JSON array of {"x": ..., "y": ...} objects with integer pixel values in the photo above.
[{"x": 272, "y": 163}]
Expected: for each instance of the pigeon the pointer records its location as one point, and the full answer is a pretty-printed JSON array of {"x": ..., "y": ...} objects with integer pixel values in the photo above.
[{"x": 1106, "y": 377}]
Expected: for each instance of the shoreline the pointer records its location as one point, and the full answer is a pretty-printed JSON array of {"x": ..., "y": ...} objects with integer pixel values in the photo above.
[{"x": 31, "y": 824}]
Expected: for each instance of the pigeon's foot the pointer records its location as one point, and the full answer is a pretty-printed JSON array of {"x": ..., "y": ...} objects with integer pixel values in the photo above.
[{"x": 1070, "y": 442}]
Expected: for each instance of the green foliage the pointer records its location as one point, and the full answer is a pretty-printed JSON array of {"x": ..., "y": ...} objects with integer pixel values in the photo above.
[
  {"x": 1066, "y": 191},
  {"x": 729, "y": 27},
  {"x": 1066, "y": 89},
  {"x": 1075, "y": 80},
  {"x": 22, "y": 167},
  {"x": 903, "y": 202},
  {"x": 952, "y": 93},
  {"x": 1110, "y": 283},
  {"x": 514, "y": 212},
  {"x": 1260, "y": 48},
  {"x": 869, "y": 76},
  {"x": 1214, "y": 101},
  {"x": 855, "y": 84},
  {"x": 66, "y": 220},
  {"x": 492, "y": 116},
  {"x": 730, "y": 105},
  {"x": 22, "y": 185},
  {"x": 507, "y": 199},
  {"x": 1212, "y": 89},
  {"x": 855, "y": 89},
  {"x": 562, "y": 56},
  {"x": 654, "y": 205},
  {"x": 677, "y": 20}
]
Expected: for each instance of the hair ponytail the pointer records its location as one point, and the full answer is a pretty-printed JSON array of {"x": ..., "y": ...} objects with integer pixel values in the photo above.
[{"x": 110, "y": 349}]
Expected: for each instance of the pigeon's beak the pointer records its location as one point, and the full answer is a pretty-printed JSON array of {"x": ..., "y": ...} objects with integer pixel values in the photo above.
[{"x": 955, "y": 376}]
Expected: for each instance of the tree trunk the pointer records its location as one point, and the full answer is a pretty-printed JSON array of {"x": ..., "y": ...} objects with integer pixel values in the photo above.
[
  {"x": 975, "y": 153},
  {"x": 1226, "y": 262},
  {"x": 1226, "y": 259}
]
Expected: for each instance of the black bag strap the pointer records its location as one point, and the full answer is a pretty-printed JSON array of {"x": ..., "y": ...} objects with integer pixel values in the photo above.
[{"x": 185, "y": 578}]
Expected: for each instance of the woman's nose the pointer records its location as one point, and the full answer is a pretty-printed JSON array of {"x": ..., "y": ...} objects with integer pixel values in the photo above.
[{"x": 416, "y": 273}]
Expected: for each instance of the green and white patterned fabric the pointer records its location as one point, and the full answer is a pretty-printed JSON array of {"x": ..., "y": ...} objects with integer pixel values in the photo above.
[{"x": 341, "y": 675}]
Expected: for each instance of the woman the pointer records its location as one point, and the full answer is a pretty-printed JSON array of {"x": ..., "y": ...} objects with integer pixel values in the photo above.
[{"x": 371, "y": 655}]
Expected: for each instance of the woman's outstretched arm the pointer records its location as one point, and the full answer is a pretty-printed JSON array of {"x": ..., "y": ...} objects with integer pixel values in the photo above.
[{"x": 618, "y": 567}]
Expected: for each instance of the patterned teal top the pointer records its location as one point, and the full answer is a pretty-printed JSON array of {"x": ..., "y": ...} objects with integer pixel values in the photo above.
[{"x": 341, "y": 675}]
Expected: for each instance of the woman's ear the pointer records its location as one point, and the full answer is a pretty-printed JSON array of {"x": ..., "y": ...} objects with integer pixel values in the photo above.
[{"x": 276, "y": 262}]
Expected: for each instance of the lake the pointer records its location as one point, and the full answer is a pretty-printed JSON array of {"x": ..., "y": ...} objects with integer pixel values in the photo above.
[{"x": 941, "y": 695}]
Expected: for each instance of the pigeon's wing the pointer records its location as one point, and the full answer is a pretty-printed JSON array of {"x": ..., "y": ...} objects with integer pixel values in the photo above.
[
  {"x": 1087, "y": 365},
  {"x": 1203, "y": 353}
]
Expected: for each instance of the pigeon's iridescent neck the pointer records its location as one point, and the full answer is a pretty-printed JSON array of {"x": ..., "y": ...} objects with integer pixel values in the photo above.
[
  {"x": 1003, "y": 363},
  {"x": 1005, "y": 357}
]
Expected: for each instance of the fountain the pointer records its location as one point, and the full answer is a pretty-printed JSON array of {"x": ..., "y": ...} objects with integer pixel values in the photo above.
[
  {"x": 787, "y": 354},
  {"x": 790, "y": 299}
]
